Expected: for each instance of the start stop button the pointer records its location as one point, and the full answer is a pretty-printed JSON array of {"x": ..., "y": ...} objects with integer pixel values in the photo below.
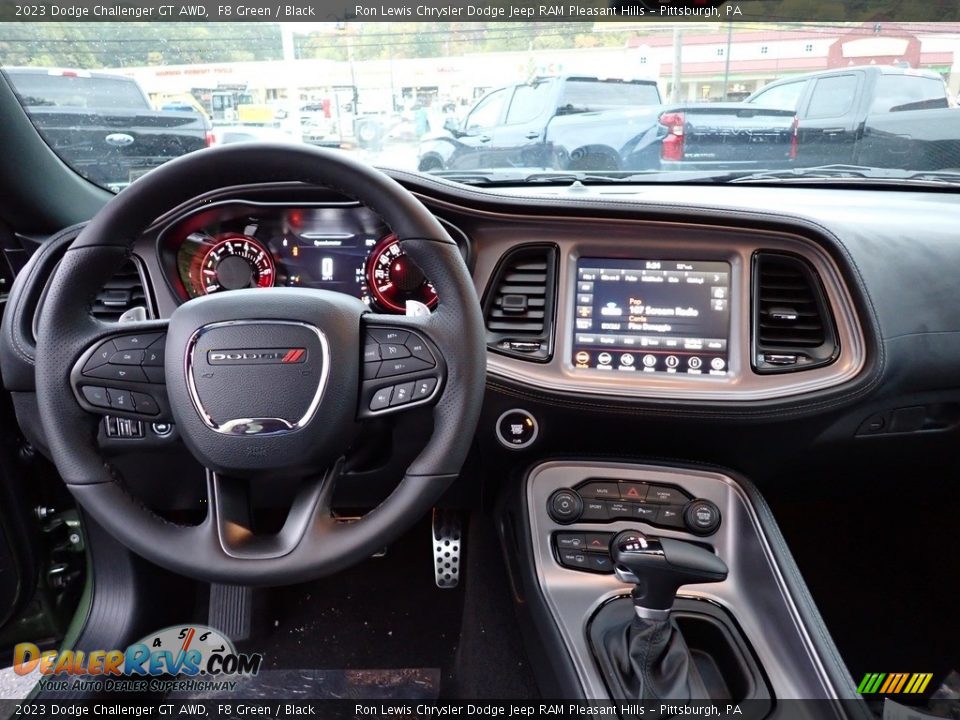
[{"x": 517, "y": 429}]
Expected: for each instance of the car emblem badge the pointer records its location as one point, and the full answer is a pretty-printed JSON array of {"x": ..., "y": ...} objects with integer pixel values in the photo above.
[
  {"x": 119, "y": 139},
  {"x": 258, "y": 356}
]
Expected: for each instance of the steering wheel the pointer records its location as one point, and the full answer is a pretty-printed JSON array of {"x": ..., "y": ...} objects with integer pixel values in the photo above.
[{"x": 262, "y": 383}]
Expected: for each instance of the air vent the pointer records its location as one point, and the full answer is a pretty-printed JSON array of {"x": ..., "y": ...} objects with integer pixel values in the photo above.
[
  {"x": 519, "y": 306},
  {"x": 122, "y": 292},
  {"x": 793, "y": 327}
]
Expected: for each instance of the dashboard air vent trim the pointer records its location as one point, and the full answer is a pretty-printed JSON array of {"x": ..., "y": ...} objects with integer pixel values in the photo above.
[
  {"x": 793, "y": 325},
  {"x": 520, "y": 303}
]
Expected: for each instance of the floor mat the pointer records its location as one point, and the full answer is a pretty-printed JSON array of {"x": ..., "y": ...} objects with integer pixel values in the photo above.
[{"x": 402, "y": 684}]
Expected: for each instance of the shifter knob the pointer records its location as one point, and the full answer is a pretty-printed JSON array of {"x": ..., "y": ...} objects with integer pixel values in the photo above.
[{"x": 658, "y": 567}]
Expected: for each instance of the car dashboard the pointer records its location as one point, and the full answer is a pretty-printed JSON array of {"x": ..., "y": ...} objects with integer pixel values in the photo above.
[{"x": 631, "y": 308}]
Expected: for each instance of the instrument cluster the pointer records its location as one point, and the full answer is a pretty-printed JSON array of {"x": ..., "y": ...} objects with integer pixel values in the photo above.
[{"x": 343, "y": 247}]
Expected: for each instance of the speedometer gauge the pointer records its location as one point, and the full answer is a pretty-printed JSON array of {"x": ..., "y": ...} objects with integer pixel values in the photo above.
[
  {"x": 235, "y": 261},
  {"x": 394, "y": 278}
]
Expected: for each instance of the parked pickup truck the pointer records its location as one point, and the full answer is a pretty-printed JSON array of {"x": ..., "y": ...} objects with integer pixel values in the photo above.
[
  {"x": 103, "y": 124},
  {"x": 587, "y": 123},
  {"x": 875, "y": 116}
]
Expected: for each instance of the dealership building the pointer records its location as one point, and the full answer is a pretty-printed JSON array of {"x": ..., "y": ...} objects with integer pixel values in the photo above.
[{"x": 717, "y": 61}]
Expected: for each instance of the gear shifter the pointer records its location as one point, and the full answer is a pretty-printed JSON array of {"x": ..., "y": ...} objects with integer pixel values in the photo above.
[
  {"x": 647, "y": 659},
  {"x": 658, "y": 567}
]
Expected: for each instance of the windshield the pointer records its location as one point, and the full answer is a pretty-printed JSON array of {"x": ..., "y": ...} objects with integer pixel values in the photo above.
[{"x": 503, "y": 102}]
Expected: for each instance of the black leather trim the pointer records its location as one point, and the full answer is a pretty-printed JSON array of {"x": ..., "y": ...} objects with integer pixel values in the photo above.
[
  {"x": 18, "y": 347},
  {"x": 66, "y": 330}
]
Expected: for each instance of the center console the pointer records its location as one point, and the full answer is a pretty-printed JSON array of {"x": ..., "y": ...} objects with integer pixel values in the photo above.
[{"x": 747, "y": 636}]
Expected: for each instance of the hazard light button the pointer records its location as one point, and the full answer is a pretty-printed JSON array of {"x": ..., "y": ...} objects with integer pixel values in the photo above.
[{"x": 635, "y": 492}]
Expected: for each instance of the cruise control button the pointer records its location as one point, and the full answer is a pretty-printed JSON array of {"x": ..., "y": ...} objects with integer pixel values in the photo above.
[
  {"x": 599, "y": 563},
  {"x": 423, "y": 388},
  {"x": 131, "y": 342},
  {"x": 389, "y": 368},
  {"x": 418, "y": 348},
  {"x": 634, "y": 492},
  {"x": 402, "y": 394},
  {"x": 145, "y": 404},
  {"x": 660, "y": 494},
  {"x": 603, "y": 490},
  {"x": 371, "y": 353},
  {"x": 393, "y": 352},
  {"x": 569, "y": 541},
  {"x": 118, "y": 372},
  {"x": 100, "y": 357},
  {"x": 370, "y": 370},
  {"x": 96, "y": 396},
  {"x": 597, "y": 542},
  {"x": 381, "y": 398},
  {"x": 127, "y": 357},
  {"x": 386, "y": 336},
  {"x": 573, "y": 558},
  {"x": 670, "y": 517},
  {"x": 120, "y": 399},
  {"x": 153, "y": 356}
]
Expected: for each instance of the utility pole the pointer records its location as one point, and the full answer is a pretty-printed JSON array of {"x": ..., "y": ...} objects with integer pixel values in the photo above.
[
  {"x": 677, "y": 63},
  {"x": 726, "y": 64},
  {"x": 293, "y": 91}
]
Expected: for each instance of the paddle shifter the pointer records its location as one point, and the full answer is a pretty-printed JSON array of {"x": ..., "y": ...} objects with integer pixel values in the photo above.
[{"x": 650, "y": 660}]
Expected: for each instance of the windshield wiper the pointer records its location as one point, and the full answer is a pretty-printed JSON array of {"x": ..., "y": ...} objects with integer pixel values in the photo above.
[{"x": 850, "y": 173}]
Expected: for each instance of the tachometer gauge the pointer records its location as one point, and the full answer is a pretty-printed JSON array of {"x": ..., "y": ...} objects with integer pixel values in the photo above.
[
  {"x": 394, "y": 278},
  {"x": 235, "y": 261}
]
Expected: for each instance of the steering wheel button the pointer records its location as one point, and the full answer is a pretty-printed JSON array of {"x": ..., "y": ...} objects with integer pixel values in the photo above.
[
  {"x": 153, "y": 356},
  {"x": 100, "y": 357},
  {"x": 370, "y": 370},
  {"x": 129, "y": 373},
  {"x": 96, "y": 396},
  {"x": 132, "y": 342},
  {"x": 381, "y": 398},
  {"x": 418, "y": 348},
  {"x": 127, "y": 357},
  {"x": 145, "y": 404},
  {"x": 120, "y": 399},
  {"x": 371, "y": 353},
  {"x": 392, "y": 352},
  {"x": 389, "y": 368},
  {"x": 154, "y": 374},
  {"x": 402, "y": 394},
  {"x": 386, "y": 336},
  {"x": 423, "y": 388}
]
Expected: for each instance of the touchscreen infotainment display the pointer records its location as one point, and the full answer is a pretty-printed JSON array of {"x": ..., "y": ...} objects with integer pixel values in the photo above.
[{"x": 669, "y": 316}]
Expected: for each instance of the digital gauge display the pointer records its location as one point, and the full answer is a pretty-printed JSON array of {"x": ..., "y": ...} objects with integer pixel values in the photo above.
[{"x": 344, "y": 249}]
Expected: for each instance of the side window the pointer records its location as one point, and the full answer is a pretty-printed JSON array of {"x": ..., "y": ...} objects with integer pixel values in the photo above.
[
  {"x": 782, "y": 97},
  {"x": 908, "y": 92},
  {"x": 528, "y": 103},
  {"x": 487, "y": 112},
  {"x": 832, "y": 97}
]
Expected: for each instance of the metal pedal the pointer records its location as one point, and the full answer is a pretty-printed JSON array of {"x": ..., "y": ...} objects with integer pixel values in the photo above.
[
  {"x": 231, "y": 610},
  {"x": 447, "y": 541}
]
